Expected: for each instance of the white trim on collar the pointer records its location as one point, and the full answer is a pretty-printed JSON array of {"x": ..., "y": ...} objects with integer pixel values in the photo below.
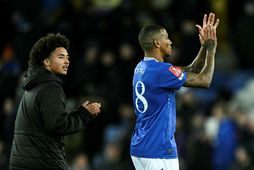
[{"x": 149, "y": 59}]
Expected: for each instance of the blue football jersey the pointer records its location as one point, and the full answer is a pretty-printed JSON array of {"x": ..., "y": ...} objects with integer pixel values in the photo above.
[{"x": 154, "y": 85}]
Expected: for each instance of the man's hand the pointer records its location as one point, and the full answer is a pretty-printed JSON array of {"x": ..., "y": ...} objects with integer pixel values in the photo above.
[
  {"x": 210, "y": 21},
  {"x": 93, "y": 108},
  {"x": 211, "y": 42}
]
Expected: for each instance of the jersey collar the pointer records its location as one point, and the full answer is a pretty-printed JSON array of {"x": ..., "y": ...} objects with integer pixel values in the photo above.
[{"x": 149, "y": 59}]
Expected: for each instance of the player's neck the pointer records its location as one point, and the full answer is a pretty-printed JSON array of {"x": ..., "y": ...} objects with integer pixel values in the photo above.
[{"x": 155, "y": 56}]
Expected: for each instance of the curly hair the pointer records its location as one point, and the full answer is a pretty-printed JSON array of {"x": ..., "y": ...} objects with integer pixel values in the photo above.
[{"x": 45, "y": 45}]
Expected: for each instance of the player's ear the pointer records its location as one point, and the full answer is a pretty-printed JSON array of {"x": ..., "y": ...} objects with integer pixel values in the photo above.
[
  {"x": 156, "y": 43},
  {"x": 46, "y": 62}
]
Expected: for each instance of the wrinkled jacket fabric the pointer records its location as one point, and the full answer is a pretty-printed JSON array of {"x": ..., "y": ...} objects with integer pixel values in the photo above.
[{"x": 42, "y": 122}]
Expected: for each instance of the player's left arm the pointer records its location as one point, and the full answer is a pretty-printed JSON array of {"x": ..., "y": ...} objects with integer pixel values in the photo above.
[
  {"x": 198, "y": 63},
  {"x": 204, "y": 78}
]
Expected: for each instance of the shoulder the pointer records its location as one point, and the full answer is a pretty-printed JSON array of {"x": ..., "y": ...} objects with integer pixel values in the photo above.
[
  {"x": 51, "y": 84},
  {"x": 51, "y": 88},
  {"x": 157, "y": 64},
  {"x": 162, "y": 66}
]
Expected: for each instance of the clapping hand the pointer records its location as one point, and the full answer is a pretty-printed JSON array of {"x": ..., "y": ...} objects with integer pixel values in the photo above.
[
  {"x": 208, "y": 30},
  {"x": 94, "y": 108}
]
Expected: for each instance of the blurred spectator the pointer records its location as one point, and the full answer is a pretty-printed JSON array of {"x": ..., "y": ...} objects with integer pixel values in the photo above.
[
  {"x": 80, "y": 162},
  {"x": 126, "y": 64},
  {"x": 244, "y": 98},
  {"x": 188, "y": 104},
  {"x": 109, "y": 76},
  {"x": 87, "y": 66},
  {"x": 9, "y": 72},
  {"x": 104, "y": 52},
  {"x": 3, "y": 156},
  {"x": 242, "y": 25},
  {"x": 243, "y": 160},
  {"x": 226, "y": 54},
  {"x": 9, "y": 112},
  {"x": 197, "y": 148},
  {"x": 6, "y": 29},
  {"x": 111, "y": 158},
  {"x": 225, "y": 141},
  {"x": 9, "y": 64},
  {"x": 105, "y": 6}
]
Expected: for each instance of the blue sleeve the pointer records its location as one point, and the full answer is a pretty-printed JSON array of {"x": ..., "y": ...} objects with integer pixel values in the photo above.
[{"x": 171, "y": 77}]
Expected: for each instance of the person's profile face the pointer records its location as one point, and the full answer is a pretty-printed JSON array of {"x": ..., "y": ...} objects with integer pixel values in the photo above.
[
  {"x": 165, "y": 43},
  {"x": 58, "y": 61}
]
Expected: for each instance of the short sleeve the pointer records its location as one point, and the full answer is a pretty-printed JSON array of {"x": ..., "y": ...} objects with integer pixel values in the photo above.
[{"x": 171, "y": 76}]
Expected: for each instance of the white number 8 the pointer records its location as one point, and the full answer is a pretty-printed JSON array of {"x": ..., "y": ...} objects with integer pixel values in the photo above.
[{"x": 140, "y": 96}]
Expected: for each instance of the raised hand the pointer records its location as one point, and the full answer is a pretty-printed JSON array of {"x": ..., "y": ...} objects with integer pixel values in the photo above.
[
  {"x": 210, "y": 42},
  {"x": 203, "y": 30}
]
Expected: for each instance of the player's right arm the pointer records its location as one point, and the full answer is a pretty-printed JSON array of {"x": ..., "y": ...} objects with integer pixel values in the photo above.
[
  {"x": 199, "y": 61},
  {"x": 204, "y": 78}
]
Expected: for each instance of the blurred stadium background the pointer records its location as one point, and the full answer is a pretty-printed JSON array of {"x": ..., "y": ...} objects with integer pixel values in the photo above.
[{"x": 215, "y": 126}]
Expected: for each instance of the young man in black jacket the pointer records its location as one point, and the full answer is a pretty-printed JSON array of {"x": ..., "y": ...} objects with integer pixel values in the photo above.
[{"x": 42, "y": 119}]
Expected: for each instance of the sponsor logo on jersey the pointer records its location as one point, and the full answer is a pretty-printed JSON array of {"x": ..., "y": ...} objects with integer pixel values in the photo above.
[{"x": 176, "y": 71}]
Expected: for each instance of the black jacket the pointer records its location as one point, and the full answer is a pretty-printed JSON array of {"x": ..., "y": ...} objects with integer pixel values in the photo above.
[{"x": 42, "y": 122}]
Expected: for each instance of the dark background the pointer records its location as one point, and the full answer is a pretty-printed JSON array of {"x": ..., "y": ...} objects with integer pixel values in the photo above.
[{"x": 214, "y": 126}]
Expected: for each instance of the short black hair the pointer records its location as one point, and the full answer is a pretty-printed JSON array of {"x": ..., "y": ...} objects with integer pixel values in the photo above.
[
  {"x": 45, "y": 45},
  {"x": 147, "y": 35}
]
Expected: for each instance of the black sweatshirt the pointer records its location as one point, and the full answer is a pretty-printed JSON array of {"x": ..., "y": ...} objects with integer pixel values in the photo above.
[{"x": 42, "y": 122}]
